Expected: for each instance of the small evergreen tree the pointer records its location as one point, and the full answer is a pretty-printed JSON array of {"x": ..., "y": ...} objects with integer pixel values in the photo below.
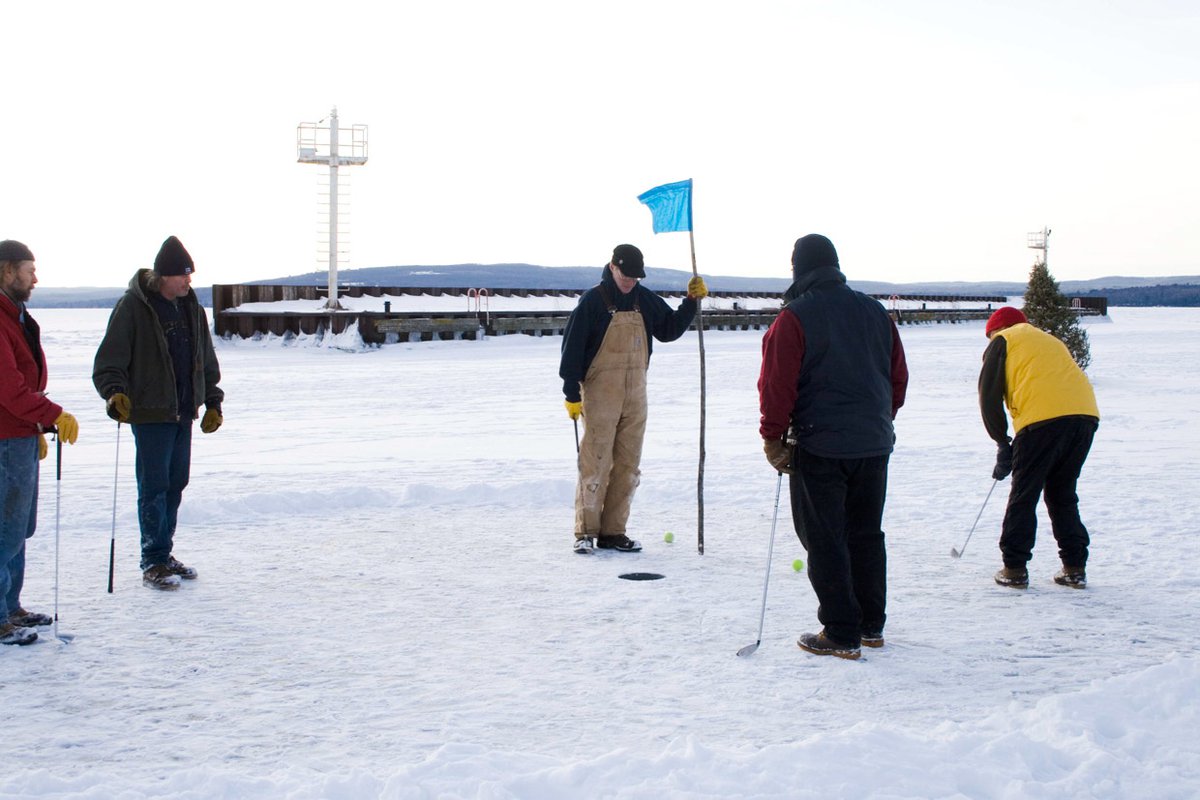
[{"x": 1048, "y": 308}]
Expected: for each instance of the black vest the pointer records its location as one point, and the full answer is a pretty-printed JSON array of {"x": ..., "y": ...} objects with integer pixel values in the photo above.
[{"x": 844, "y": 406}]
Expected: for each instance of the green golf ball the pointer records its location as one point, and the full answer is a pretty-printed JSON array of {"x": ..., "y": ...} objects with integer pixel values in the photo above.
[
  {"x": 797, "y": 565},
  {"x": 668, "y": 537}
]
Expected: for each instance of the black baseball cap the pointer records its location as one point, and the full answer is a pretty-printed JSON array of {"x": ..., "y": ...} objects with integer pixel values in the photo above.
[{"x": 629, "y": 260}]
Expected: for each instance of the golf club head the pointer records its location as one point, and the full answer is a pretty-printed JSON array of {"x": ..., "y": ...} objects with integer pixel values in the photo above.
[
  {"x": 748, "y": 649},
  {"x": 955, "y": 552},
  {"x": 65, "y": 638}
]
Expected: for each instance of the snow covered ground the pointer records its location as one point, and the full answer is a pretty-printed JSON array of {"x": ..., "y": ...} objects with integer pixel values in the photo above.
[{"x": 388, "y": 605}]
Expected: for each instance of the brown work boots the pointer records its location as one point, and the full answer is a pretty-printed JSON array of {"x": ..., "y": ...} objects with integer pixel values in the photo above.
[
  {"x": 160, "y": 577},
  {"x": 30, "y": 619},
  {"x": 1018, "y": 577},
  {"x": 819, "y": 644},
  {"x": 15, "y": 634},
  {"x": 1013, "y": 577},
  {"x": 166, "y": 577},
  {"x": 1073, "y": 577}
]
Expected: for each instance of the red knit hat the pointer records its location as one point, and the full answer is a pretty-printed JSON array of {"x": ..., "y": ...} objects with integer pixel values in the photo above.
[{"x": 1005, "y": 317}]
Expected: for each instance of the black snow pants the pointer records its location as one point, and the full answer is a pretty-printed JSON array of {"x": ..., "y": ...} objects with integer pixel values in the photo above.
[
  {"x": 1048, "y": 458},
  {"x": 837, "y": 509}
]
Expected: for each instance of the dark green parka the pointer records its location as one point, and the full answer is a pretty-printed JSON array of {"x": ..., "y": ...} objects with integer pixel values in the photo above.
[{"x": 133, "y": 358}]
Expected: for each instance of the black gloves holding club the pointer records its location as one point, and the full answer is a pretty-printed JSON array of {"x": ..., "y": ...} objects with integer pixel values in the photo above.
[{"x": 1003, "y": 466}]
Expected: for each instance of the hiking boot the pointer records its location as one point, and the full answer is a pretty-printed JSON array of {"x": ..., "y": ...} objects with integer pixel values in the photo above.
[
  {"x": 619, "y": 542},
  {"x": 1013, "y": 577},
  {"x": 29, "y": 619},
  {"x": 584, "y": 546},
  {"x": 15, "y": 634},
  {"x": 161, "y": 577},
  {"x": 1075, "y": 577},
  {"x": 177, "y": 568},
  {"x": 821, "y": 645},
  {"x": 872, "y": 638}
]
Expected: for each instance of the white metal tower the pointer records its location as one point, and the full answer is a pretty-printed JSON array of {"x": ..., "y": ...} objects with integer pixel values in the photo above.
[
  {"x": 1040, "y": 240},
  {"x": 320, "y": 145}
]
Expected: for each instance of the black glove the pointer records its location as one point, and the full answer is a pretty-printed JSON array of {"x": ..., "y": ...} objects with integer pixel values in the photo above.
[{"x": 1003, "y": 466}]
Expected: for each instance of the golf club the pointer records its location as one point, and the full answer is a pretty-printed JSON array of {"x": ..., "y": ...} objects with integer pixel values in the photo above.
[
  {"x": 750, "y": 648},
  {"x": 62, "y": 637},
  {"x": 112, "y": 542},
  {"x": 957, "y": 553}
]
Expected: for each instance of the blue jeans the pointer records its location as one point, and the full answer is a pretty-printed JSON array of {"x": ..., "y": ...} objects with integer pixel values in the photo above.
[
  {"x": 162, "y": 466},
  {"x": 18, "y": 516}
]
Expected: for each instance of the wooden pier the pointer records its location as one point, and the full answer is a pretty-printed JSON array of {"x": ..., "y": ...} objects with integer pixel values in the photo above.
[{"x": 245, "y": 310}]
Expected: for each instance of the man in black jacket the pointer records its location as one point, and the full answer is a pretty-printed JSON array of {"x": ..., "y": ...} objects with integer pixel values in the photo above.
[
  {"x": 605, "y": 354},
  {"x": 154, "y": 368},
  {"x": 834, "y": 372}
]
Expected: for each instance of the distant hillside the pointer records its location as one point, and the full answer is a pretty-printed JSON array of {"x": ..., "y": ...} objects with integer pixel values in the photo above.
[
  {"x": 93, "y": 297},
  {"x": 516, "y": 276},
  {"x": 529, "y": 276},
  {"x": 1175, "y": 294}
]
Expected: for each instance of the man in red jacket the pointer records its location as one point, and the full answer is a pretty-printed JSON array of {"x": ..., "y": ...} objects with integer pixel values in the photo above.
[
  {"x": 25, "y": 413},
  {"x": 834, "y": 373}
]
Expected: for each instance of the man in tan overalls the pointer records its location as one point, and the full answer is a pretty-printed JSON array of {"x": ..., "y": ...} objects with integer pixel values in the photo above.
[{"x": 605, "y": 354}]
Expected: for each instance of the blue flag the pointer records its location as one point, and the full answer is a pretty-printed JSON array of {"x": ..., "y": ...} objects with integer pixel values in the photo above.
[{"x": 670, "y": 205}]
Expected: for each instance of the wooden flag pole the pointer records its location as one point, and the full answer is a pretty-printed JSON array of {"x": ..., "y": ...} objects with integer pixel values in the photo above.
[
  {"x": 700, "y": 471},
  {"x": 671, "y": 208}
]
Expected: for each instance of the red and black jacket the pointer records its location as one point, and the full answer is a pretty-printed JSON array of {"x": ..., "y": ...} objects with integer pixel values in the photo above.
[
  {"x": 24, "y": 408},
  {"x": 833, "y": 370}
]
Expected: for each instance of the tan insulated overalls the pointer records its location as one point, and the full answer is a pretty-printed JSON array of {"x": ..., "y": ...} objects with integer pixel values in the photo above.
[{"x": 614, "y": 414}]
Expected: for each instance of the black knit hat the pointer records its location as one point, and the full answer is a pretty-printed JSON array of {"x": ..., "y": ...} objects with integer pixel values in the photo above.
[
  {"x": 173, "y": 259},
  {"x": 813, "y": 251},
  {"x": 629, "y": 260},
  {"x": 12, "y": 250}
]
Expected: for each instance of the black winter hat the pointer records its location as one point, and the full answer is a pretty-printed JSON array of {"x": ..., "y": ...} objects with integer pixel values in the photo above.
[
  {"x": 12, "y": 250},
  {"x": 629, "y": 260},
  {"x": 173, "y": 259},
  {"x": 813, "y": 251}
]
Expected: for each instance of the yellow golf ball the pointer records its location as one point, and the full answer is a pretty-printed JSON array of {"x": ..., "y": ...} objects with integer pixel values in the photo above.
[
  {"x": 797, "y": 565},
  {"x": 668, "y": 537}
]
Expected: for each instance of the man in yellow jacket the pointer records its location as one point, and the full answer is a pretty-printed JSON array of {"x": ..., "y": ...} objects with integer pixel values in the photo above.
[{"x": 1054, "y": 416}]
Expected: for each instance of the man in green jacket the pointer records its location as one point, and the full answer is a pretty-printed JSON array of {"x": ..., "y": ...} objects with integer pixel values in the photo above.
[{"x": 155, "y": 367}]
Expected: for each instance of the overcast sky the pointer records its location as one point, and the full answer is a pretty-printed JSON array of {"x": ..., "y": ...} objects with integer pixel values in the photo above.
[{"x": 925, "y": 138}]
